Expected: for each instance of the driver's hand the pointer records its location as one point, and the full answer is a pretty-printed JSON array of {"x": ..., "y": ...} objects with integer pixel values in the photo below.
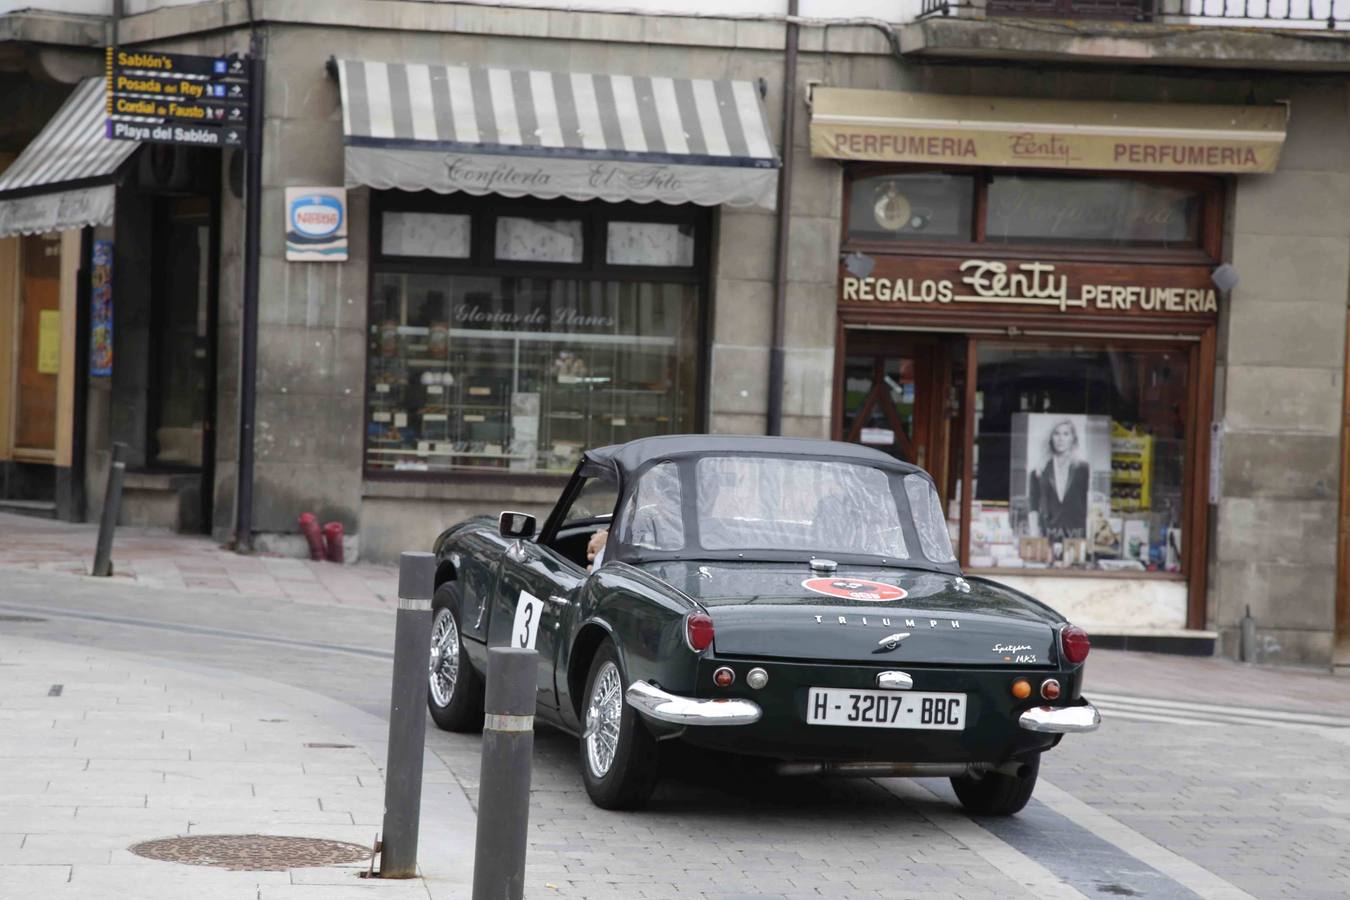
[{"x": 596, "y": 542}]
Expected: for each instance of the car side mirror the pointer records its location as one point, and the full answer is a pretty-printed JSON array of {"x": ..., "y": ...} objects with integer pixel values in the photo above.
[{"x": 515, "y": 525}]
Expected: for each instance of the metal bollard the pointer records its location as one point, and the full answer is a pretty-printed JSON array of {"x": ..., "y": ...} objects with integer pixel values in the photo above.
[
  {"x": 504, "y": 784},
  {"x": 112, "y": 505},
  {"x": 407, "y": 716}
]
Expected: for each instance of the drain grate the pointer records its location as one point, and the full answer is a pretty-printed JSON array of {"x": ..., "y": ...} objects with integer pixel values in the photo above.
[
  {"x": 251, "y": 852},
  {"x": 6, "y": 617}
]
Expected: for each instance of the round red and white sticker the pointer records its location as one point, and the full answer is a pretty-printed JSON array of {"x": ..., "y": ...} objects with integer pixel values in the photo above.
[{"x": 853, "y": 589}]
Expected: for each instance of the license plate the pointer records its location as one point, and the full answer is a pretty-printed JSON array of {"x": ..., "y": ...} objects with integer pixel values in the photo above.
[{"x": 886, "y": 709}]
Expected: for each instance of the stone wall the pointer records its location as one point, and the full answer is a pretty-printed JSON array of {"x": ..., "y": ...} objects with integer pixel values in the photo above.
[{"x": 1280, "y": 386}]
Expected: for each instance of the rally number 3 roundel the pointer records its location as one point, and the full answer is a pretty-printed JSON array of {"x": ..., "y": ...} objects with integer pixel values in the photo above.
[{"x": 852, "y": 589}]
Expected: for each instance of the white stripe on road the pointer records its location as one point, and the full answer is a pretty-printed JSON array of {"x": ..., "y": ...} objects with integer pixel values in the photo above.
[
  {"x": 1022, "y": 869},
  {"x": 1249, "y": 712},
  {"x": 1120, "y": 713},
  {"x": 1178, "y": 868}
]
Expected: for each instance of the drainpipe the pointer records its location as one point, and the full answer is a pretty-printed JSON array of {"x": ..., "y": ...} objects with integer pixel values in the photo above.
[
  {"x": 248, "y": 352},
  {"x": 774, "y": 421}
]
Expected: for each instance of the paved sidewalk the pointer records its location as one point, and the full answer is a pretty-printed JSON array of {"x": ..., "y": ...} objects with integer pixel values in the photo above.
[
  {"x": 162, "y": 559},
  {"x": 101, "y": 750}
]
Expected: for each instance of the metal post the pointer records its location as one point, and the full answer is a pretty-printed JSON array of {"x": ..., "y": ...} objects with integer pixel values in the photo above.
[
  {"x": 248, "y": 336},
  {"x": 112, "y": 504},
  {"x": 777, "y": 353},
  {"x": 504, "y": 783},
  {"x": 407, "y": 716}
]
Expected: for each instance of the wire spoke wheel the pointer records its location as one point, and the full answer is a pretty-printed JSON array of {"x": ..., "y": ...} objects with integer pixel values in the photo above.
[
  {"x": 604, "y": 714},
  {"x": 443, "y": 666}
]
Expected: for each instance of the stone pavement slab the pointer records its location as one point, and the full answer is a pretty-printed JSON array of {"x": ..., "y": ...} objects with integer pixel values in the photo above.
[
  {"x": 161, "y": 559},
  {"x": 129, "y": 751}
]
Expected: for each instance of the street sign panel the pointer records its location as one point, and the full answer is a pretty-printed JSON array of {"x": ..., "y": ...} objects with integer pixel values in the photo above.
[
  {"x": 176, "y": 133},
  {"x": 178, "y": 64},
  {"x": 175, "y": 98},
  {"x": 201, "y": 112}
]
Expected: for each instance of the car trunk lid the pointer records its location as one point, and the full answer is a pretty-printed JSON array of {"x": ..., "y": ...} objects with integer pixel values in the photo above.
[{"x": 891, "y": 615}]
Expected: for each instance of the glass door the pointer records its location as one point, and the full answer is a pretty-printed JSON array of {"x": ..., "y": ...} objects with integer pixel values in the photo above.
[{"x": 904, "y": 394}]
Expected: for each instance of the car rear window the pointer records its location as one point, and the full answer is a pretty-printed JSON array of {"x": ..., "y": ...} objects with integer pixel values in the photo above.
[
  {"x": 772, "y": 503},
  {"x": 926, "y": 507},
  {"x": 653, "y": 518}
]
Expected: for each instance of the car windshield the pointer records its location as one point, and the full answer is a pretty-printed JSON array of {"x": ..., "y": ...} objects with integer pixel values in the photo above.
[{"x": 817, "y": 506}]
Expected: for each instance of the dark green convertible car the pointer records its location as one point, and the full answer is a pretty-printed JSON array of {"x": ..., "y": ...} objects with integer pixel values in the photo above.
[{"x": 791, "y": 599}]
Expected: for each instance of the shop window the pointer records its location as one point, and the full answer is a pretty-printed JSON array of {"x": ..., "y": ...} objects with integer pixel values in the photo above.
[
  {"x": 474, "y": 367},
  {"x": 1122, "y": 212},
  {"x": 425, "y": 234},
  {"x": 911, "y": 207},
  {"x": 1079, "y": 457},
  {"x": 649, "y": 244},
  {"x": 540, "y": 240}
]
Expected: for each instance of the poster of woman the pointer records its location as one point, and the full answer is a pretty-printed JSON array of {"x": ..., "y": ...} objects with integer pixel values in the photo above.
[{"x": 1061, "y": 470}]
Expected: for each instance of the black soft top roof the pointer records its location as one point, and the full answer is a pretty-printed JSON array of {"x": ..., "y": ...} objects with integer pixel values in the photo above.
[{"x": 624, "y": 459}]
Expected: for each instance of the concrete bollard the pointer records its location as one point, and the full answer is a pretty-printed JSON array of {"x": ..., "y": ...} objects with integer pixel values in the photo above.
[
  {"x": 504, "y": 783},
  {"x": 112, "y": 505},
  {"x": 407, "y": 716}
]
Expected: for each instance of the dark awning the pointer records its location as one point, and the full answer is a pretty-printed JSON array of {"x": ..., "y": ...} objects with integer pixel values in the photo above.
[{"x": 418, "y": 126}]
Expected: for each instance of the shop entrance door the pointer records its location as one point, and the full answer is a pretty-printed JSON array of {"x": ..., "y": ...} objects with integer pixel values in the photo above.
[
  {"x": 182, "y": 365},
  {"x": 902, "y": 394},
  {"x": 39, "y": 358}
]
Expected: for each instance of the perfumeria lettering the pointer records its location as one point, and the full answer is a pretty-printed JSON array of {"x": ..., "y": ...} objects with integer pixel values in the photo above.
[
  {"x": 904, "y": 145},
  {"x": 1185, "y": 155},
  {"x": 1027, "y": 283}
]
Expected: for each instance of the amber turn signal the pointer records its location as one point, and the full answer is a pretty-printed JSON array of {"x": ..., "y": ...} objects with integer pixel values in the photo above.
[
  {"x": 1021, "y": 689},
  {"x": 1050, "y": 689}
]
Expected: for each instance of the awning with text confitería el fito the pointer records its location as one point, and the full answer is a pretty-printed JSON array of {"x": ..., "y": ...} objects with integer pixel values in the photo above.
[{"x": 446, "y": 128}]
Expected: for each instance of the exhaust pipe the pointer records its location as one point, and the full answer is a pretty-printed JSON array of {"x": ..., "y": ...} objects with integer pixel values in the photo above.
[{"x": 884, "y": 769}]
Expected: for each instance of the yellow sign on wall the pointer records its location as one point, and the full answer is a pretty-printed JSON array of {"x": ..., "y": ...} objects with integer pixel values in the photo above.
[{"x": 49, "y": 342}]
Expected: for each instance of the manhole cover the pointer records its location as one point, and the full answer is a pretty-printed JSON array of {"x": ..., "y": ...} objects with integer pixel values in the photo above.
[
  {"x": 5, "y": 617},
  {"x": 251, "y": 852}
]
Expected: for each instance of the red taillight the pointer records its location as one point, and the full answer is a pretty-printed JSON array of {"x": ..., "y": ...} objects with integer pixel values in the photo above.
[
  {"x": 698, "y": 630},
  {"x": 1074, "y": 643}
]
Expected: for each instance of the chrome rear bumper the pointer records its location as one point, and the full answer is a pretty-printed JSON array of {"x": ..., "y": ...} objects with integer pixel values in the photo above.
[
  {"x": 1061, "y": 719},
  {"x": 650, "y": 700}
]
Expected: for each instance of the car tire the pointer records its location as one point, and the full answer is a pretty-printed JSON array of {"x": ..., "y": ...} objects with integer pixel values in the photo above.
[
  {"x": 619, "y": 772},
  {"x": 454, "y": 688},
  {"x": 997, "y": 794}
]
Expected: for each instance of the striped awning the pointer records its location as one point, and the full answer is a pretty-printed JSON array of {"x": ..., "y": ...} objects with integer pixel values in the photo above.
[
  {"x": 445, "y": 128},
  {"x": 60, "y": 179}
]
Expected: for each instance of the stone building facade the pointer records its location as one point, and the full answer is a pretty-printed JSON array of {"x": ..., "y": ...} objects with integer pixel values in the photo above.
[{"x": 1264, "y": 484}]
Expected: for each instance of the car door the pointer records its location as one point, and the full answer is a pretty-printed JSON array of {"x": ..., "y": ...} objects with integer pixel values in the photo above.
[
  {"x": 540, "y": 579},
  {"x": 538, "y": 589}
]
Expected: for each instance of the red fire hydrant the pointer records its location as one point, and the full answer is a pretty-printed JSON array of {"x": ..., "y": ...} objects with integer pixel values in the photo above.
[
  {"x": 332, "y": 539},
  {"x": 309, "y": 527}
]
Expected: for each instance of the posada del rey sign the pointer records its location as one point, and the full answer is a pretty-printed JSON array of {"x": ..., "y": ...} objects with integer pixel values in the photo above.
[{"x": 1029, "y": 286}]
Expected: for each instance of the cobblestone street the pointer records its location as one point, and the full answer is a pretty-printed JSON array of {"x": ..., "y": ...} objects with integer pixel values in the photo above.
[{"x": 1233, "y": 786}]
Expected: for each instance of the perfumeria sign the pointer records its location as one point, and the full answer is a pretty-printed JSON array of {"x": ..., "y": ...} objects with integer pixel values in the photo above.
[{"x": 1053, "y": 287}]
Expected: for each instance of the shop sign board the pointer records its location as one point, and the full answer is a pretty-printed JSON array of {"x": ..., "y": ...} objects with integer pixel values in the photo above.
[
  {"x": 1030, "y": 286},
  {"x": 903, "y": 127},
  {"x": 316, "y": 224},
  {"x": 175, "y": 98}
]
